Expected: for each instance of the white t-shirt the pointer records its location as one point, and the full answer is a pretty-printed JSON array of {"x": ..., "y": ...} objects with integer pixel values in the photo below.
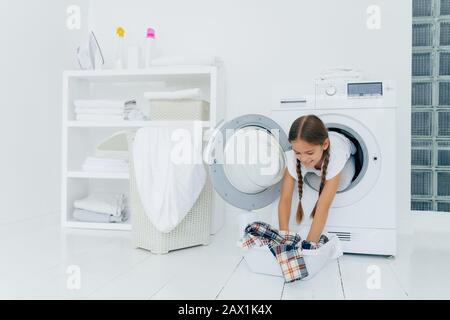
[{"x": 341, "y": 148}]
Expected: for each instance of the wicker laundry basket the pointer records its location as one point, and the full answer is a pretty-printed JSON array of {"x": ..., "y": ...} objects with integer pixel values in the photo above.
[
  {"x": 184, "y": 109},
  {"x": 194, "y": 229}
]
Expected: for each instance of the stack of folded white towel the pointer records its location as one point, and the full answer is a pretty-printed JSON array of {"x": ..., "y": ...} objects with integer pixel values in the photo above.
[
  {"x": 112, "y": 110},
  {"x": 101, "y": 207},
  {"x": 111, "y": 162},
  {"x": 189, "y": 94}
]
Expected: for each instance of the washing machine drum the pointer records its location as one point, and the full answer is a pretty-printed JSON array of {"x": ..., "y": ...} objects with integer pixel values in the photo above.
[{"x": 247, "y": 161}]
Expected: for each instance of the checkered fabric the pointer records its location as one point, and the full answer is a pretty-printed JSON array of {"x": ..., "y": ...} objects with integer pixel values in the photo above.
[
  {"x": 310, "y": 245},
  {"x": 282, "y": 244}
]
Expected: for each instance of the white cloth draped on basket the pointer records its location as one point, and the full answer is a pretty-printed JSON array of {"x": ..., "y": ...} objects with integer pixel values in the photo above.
[{"x": 169, "y": 173}]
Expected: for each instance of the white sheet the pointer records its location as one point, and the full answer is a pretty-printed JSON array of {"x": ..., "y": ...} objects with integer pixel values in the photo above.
[
  {"x": 167, "y": 189},
  {"x": 317, "y": 259}
]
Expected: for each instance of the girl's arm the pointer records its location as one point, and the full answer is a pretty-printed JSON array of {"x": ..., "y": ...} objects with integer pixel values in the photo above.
[
  {"x": 284, "y": 206},
  {"x": 323, "y": 205}
]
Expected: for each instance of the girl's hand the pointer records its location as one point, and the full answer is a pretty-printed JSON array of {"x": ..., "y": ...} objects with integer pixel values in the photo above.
[{"x": 284, "y": 204}]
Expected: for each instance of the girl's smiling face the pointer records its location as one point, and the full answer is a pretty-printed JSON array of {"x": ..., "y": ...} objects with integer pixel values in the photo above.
[{"x": 310, "y": 155}]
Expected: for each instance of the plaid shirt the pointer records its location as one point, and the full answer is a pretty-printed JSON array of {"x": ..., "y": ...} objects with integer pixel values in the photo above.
[
  {"x": 309, "y": 245},
  {"x": 283, "y": 246}
]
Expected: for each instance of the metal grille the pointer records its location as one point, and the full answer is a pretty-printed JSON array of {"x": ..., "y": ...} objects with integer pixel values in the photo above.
[
  {"x": 430, "y": 100},
  {"x": 343, "y": 236}
]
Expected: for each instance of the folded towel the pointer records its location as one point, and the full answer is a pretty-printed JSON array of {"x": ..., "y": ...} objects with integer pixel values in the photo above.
[
  {"x": 100, "y": 111},
  {"x": 105, "y": 165},
  {"x": 98, "y": 117},
  {"x": 173, "y": 95},
  {"x": 105, "y": 161},
  {"x": 90, "y": 216},
  {"x": 109, "y": 203},
  {"x": 135, "y": 115},
  {"x": 100, "y": 168},
  {"x": 83, "y": 110},
  {"x": 102, "y": 103},
  {"x": 184, "y": 60},
  {"x": 112, "y": 154}
]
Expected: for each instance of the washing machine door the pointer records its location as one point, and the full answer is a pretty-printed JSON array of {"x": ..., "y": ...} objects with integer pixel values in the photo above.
[
  {"x": 246, "y": 158},
  {"x": 369, "y": 156}
]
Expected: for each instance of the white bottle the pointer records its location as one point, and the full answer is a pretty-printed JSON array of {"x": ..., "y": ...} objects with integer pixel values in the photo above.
[
  {"x": 119, "y": 57},
  {"x": 133, "y": 56},
  {"x": 149, "y": 48}
]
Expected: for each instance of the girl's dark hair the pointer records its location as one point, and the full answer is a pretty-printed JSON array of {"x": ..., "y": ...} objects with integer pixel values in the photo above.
[{"x": 312, "y": 130}]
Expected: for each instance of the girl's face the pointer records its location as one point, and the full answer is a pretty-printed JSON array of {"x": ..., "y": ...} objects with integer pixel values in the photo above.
[{"x": 309, "y": 154}]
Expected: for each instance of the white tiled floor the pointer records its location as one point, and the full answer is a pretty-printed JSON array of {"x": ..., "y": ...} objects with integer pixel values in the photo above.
[{"x": 36, "y": 254}]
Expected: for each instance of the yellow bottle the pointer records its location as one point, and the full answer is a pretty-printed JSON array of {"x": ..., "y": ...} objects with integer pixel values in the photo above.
[{"x": 119, "y": 55}]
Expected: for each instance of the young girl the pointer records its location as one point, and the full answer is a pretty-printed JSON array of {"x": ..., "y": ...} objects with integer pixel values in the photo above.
[{"x": 324, "y": 159}]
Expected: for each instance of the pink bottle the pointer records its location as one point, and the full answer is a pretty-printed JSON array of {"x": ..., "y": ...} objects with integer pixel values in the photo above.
[{"x": 149, "y": 47}]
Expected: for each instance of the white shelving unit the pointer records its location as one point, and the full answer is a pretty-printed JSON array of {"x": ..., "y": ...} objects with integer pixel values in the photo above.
[{"x": 79, "y": 138}]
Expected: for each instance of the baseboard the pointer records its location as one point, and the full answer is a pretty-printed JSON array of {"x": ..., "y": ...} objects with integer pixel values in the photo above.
[{"x": 430, "y": 220}]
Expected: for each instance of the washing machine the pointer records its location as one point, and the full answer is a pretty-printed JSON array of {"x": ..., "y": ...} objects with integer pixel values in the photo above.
[{"x": 363, "y": 216}]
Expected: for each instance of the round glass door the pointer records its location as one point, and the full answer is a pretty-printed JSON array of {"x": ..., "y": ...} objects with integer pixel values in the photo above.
[{"x": 249, "y": 161}]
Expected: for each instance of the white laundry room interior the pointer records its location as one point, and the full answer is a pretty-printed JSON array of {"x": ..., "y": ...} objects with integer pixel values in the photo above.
[{"x": 225, "y": 150}]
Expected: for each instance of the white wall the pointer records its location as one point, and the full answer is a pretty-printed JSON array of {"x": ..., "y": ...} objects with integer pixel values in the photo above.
[
  {"x": 265, "y": 43},
  {"x": 36, "y": 47}
]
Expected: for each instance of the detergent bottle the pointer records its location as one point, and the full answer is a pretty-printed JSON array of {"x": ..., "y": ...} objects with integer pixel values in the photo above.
[
  {"x": 119, "y": 57},
  {"x": 149, "y": 47}
]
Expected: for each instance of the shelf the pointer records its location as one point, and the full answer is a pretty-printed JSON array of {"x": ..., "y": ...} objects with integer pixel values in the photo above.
[
  {"x": 126, "y": 226},
  {"x": 132, "y": 124},
  {"x": 98, "y": 175},
  {"x": 81, "y": 138},
  {"x": 139, "y": 74}
]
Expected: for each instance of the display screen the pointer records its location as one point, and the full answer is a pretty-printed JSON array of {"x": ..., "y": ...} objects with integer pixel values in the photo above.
[{"x": 365, "y": 89}]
